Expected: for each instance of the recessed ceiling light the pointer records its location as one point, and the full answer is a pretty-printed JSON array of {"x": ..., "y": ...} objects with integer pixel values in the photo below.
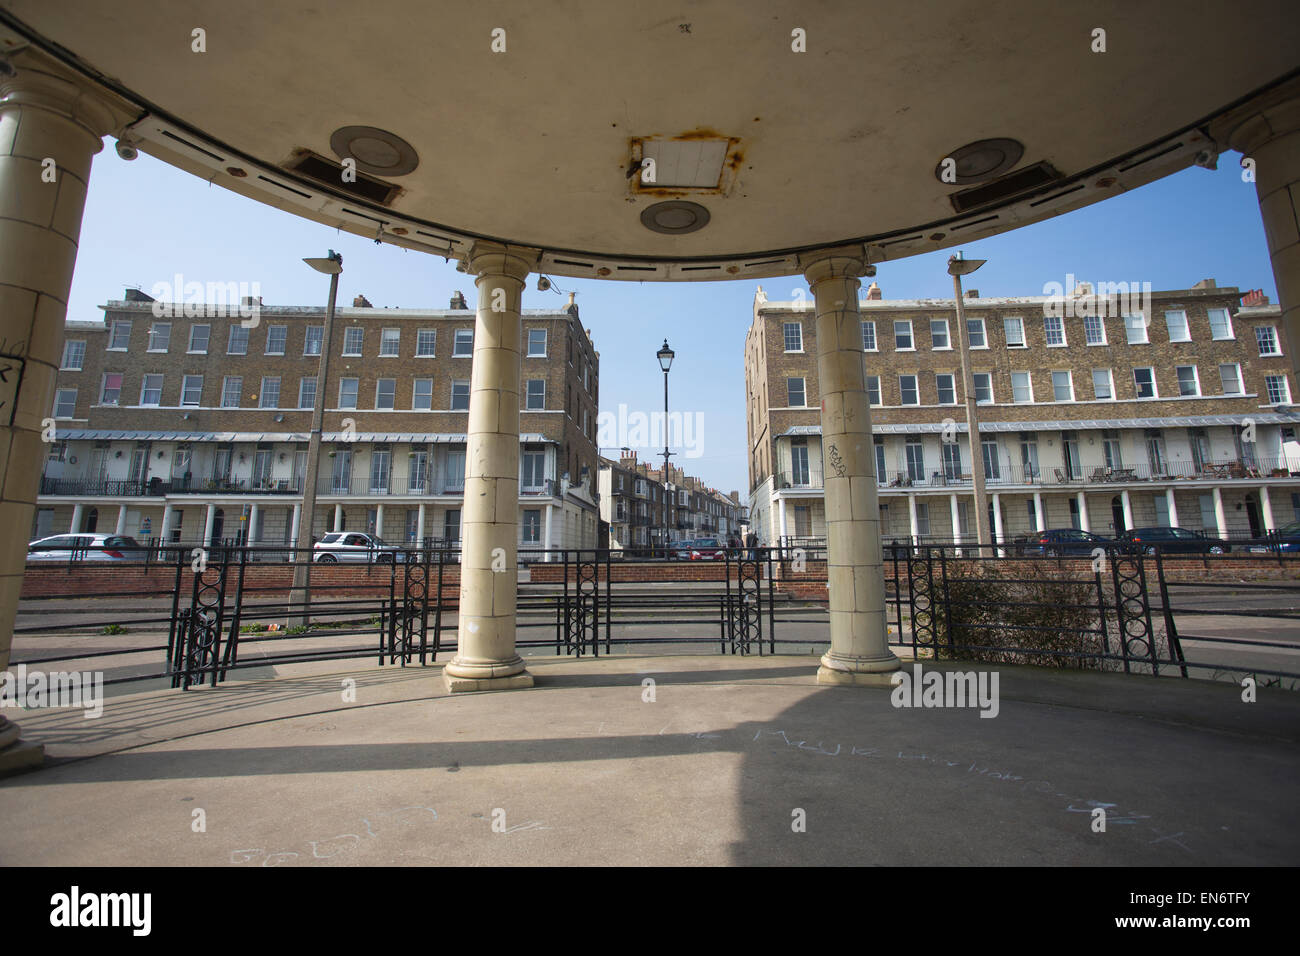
[
  {"x": 980, "y": 161},
  {"x": 376, "y": 151},
  {"x": 675, "y": 217}
]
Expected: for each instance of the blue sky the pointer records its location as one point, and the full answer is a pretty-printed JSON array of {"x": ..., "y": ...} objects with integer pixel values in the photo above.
[{"x": 146, "y": 221}]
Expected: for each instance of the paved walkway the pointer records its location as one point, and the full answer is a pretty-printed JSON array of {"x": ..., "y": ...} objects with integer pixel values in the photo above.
[{"x": 585, "y": 769}]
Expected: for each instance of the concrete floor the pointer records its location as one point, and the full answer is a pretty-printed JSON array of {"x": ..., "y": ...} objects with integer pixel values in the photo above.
[{"x": 581, "y": 769}]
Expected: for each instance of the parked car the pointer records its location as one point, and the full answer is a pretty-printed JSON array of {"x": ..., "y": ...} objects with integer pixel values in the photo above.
[
  {"x": 355, "y": 546},
  {"x": 708, "y": 549},
  {"x": 681, "y": 551},
  {"x": 86, "y": 547},
  {"x": 1057, "y": 541},
  {"x": 1286, "y": 540},
  {"x": 1172, "y": 541}
]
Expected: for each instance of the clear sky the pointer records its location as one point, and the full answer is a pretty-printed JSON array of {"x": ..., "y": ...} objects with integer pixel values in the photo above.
[{"x": 146, "y": 221}]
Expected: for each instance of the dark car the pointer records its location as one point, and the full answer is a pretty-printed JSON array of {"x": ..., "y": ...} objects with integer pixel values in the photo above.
[
  {"x": 1172, "y": 541},
  {"x": 1056, "y": 541},
  {"x": 1285, "y": 539}
]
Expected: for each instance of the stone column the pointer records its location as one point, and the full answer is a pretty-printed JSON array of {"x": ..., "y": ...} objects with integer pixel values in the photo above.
[
  {"x": 997, "y": 522},
  {"x": 78, "y": 515},
  {"x": 1084, "y": 523},
  {"x": 379, "y": 521},
  {"x": 209, "y": 523},
  {"x": 254, "y": 512},
  {"x": 166, "y": 524},
  {"x": 419, "y": 525},
  {"x": 338, "y": 517},
  {"x": 120, "y": 527},
  {"x": 548, "y": 539},
  {"x": 1172, "y": 506},
  {"x": 913, "y": 525},
  {"x": 1266, "y": 508},
  {"x": 293, "y": 528},
  {"x": 859, "y": 651},
  {"x": 780, "y": 515},
  {"x": 1220, "y": 519},
  {"x": 1039, "y": 518},
  {"x": 486, "y": 658},
  {"x": 49, "y": 131},
  {"x": 1126, "y": 502},
  {"x": 956, "y": 519},
  {"x": 1267, "y": 132}
]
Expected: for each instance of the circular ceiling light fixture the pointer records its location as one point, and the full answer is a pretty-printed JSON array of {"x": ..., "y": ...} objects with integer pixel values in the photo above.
[
  {"x": 675, "y": 217},
  {"x": 375, "y": 151},
  {"x": 979, "y": 162}
]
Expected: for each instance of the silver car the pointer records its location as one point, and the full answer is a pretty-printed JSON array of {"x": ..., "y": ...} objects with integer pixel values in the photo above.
[
  {"x": 113, "y": 548},
  {"x": 355, "y": 546}
]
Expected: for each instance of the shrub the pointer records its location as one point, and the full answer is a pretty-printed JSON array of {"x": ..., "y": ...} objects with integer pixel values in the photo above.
[{"x": 113, "y": 629}]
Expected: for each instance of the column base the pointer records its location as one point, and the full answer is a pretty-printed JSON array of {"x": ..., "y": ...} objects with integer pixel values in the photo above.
[
  {"x": 15, "y": 754},
  {"x": 462, "y": 685},
  {"x": 858, "y": 672}
]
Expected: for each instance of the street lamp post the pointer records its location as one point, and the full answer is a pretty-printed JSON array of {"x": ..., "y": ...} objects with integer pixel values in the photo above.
[
  {"x": 331, "y": 266},
  {"x": 958, "y": 267},
  {"x": 665, "y": 356}
]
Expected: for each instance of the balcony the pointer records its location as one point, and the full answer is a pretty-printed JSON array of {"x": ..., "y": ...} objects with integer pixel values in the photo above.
[
  {"x": 365, "y": 485},
  {"x": 157, "y": 487}
]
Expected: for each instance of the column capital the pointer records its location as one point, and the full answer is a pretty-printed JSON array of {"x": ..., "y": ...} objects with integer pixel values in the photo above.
[
  {"x": 840, "y": 262},
  {"x": 33, "y": 87},
  {"x": 1268, "y": 116},
  {"x": 488, "y": 258}
]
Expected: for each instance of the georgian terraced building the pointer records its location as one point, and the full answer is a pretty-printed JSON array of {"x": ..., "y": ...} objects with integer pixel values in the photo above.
[
  {"x": 194, "y": 429},
  {"x": 1099, "y": 422},
  {"x": 633, "y": 499}
]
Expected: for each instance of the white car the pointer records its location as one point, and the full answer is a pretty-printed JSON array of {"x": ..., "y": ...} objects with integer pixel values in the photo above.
[
  {"x": 355, "y": 546},
  {"x": 112, "y": 548}
]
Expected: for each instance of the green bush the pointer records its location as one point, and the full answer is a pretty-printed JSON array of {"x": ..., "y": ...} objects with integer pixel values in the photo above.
[{"x": 113, "y": 629}]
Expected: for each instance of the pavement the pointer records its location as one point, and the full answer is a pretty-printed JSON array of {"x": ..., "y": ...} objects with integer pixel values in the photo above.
[{"x": 720, "y": 760}]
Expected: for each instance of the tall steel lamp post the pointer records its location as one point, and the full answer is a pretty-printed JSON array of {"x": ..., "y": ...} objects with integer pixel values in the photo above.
[
  {"x": 958, "y": 267},
  {"x": 666, "y": 355},
  {"x": 331, "y": 266}
]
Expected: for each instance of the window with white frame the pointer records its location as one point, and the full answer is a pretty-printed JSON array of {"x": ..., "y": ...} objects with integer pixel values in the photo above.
[
  {"x": 1279, "y": 392},
  {"x": 537, "y": 343},
  {"x": 903, "y": 335},
  {"x": 386, "y": 393},
  {"x": 939, "y": 334},
  {"x": 110, "y": 391},
  {"x": 536, "y": 395},
  {"x": 908, "y": 394},
  {"x": 463, "y": 345},
  {"x": 793, "y": 332},
  {"x": 1144, "y": 382},
  {"x": 1189, "y": 382},
  {"x": 975, "y": 332},
  {"x": 983, "y": 388},
  {"x": 353, "y": 340},
  {"x": 426, "y": 341},
  {"x": 1063, "y": 386},
  {"x": 1103, "y": 386},
  {"x": 460, "y": 396},
  {"x": 270, "y": 394},
  {"x": 277, "y": 337},
  {"x": 1220, "y": 324},
  {"x": 868, "y": 335},
  {"x": 796, "y": 396},
  {"x": 199, "y": 336},
  {"x": 422, "y": 394},
  {"x": 1135, "y": 329},
  {"x": 307, "y": 392},
  {"x": 1022, "y": 388},
  {"x": 873, "y": 389},
  {"x": 532, "y": 526},
  {"x": 348, "y": 392},
  {"x": 1094, "y": 330},
  {"x": 120, "y": 336},
  {"x": 1054, "y": 330},
  {"x": 1266, "y": 336},
  {"x": 1230, "y": 376},
  {"x": 1014, "y": 329},
  {"x": 312, "y": 339},
  {"x": 390, "y": 342},
  {"x": 74, "y": 355},
  {"x": 237, "y": 342},
  {"x": 192, "y": 390},
  {"x": 1176, "y": 323},
  {"x": 160, "y": 336},
  {"x": 151, "y": 390},
  {"x": 232, "y": 387},
  {"x": 945, "y": 383},
  {"x": 65, "y": 403}
]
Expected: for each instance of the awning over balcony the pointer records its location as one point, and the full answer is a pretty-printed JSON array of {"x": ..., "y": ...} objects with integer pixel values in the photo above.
[
  {"x": 86, "y": 434},
  {"x": 1189, "y": 421}
]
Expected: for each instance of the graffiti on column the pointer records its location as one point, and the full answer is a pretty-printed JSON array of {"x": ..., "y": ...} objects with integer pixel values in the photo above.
[
  {"x": 11, "y": 376},
  {"x": 837, "y": 462}
]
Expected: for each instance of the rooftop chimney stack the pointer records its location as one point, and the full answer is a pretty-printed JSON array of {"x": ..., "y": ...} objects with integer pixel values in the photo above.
[
  {"x": 972, "y": 293},
  {"x": 458, "y": 301},
  {"x": 873, "y": 293},
  {"x": 361, "y": 302}
]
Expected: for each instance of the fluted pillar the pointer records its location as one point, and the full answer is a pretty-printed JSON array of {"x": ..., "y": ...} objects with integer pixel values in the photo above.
[
  {"x": 859, "y": 651},
  {"x": 486, "y": 658}
]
